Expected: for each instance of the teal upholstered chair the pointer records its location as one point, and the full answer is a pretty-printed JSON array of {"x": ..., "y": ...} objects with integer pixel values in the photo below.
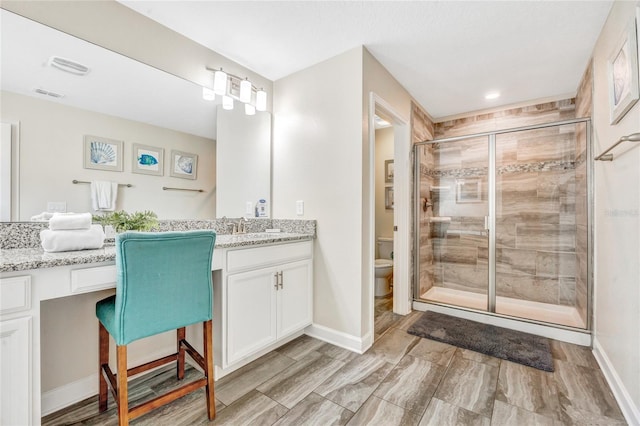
[{"x": 163, "y": 283}]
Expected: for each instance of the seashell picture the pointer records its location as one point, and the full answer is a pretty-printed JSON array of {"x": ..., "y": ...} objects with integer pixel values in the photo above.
[
  {"x": 183, "y": 164},
  {"x": 102, "y": 153},
  {"x": 147, "y": 160}
]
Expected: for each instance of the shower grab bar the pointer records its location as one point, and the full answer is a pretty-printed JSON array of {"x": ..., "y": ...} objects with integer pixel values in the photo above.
[
  {"x": 634, "y": 137},
  {"x": 467, "y": 232}
]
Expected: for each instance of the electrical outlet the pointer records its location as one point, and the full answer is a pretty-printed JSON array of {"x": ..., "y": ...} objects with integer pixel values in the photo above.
[
  {"x": 57, "y": 206},
  {"x": 299, "y": 207}
]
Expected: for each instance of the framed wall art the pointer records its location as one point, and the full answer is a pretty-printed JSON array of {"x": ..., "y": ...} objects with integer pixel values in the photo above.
[
  {"x": 623, "y": 74},
  {"x": 388, "y": 197},
  {"x": 468, "y": 191},
  {"x": 183, "y": 165},
  {"x": 388, "y": 171},
  {"x": 103, "y": 154},
  {"x": 147, "y": 160}
]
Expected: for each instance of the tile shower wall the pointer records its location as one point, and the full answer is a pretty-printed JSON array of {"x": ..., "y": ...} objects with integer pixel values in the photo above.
[{"x": 541, "y": 203}]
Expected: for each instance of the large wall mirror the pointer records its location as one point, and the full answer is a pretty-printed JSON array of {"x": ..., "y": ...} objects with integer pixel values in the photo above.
[{"x": 50, "y": 110}]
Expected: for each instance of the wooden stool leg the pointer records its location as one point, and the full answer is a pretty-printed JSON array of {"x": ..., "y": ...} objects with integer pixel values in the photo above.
[
  {"x": 180, "y": 349},
  {"x": 209, "y": 370},
  {"x": 123, "y": 394},
  {"x": 103, "y": 358}
]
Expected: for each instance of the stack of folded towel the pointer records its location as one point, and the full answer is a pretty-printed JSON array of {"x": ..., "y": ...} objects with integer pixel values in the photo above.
[{"x": 71, "y": 231}]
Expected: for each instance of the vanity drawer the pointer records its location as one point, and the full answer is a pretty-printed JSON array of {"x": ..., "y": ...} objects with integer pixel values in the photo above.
[
  {"x": 92, "y": 279},
  {"x": 15, "y": 294},
  {"x": 256, "y": 257}
]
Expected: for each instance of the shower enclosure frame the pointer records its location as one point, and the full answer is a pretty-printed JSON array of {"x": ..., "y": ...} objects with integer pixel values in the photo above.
[{"x": 491, "y": 225}]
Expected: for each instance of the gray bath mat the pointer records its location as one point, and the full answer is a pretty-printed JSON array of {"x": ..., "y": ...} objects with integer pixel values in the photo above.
[{"x": 516, "y": 346}]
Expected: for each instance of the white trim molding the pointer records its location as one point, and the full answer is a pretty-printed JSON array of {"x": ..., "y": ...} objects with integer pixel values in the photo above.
[
  {"x": 339, "y": 338},
  {"x": 630, "y": 411}
]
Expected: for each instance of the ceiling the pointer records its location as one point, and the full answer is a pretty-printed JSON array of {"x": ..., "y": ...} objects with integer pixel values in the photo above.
[{"x": 447, "y": 54}]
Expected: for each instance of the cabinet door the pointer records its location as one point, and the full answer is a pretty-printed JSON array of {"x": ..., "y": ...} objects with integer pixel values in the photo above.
[
  {"x": 15, "y": 392},
  {"x": 295, "y": 297},
  {"x": 251, "y": 312}
]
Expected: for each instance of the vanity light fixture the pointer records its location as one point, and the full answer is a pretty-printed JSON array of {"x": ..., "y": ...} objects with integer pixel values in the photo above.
[
  {"x": 208, "y": 94},
  {"x": 245, "y": 91},
  {"x": 261, "y": 100},
  {"x": 227, "y": 102},
  {"x": 231, "y": 87},
  {"x": 220, "y": 82},
  {"x": 492, "y": 95}
]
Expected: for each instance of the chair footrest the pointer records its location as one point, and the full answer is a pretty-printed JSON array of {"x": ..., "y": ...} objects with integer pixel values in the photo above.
[{"x": 166, "y": 398}]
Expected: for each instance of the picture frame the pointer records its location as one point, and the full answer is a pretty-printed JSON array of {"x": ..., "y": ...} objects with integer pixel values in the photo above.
[
  {"x": 103, "y": 153},
  {"x": 468, "y": 191},
  {"x": 183, "y": 165},
  {"x": 388, "y": 198},
  {"x": 147, "y": 160},
  {"x": 388, "y": 171},
  {"x": 622, "y": 67}
]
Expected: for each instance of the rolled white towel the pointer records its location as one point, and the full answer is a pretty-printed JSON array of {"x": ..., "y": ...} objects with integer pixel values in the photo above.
[
  {"x": 69, "y": 240},
  {"x": 42, "y": 217},
  {"x": 66, "y": 221}
]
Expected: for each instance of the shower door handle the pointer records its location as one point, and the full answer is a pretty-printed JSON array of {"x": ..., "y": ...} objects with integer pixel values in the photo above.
[{"x": 486, "y": 223}]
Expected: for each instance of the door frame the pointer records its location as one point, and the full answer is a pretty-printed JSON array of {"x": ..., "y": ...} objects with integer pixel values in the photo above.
[{"x": 402, "y": 188}]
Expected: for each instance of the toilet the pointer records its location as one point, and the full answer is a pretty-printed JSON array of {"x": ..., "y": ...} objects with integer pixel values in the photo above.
[{"x": 384, "y": 266}]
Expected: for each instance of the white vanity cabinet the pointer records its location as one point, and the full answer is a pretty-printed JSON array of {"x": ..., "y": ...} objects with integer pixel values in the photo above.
[
  {"x": 15, "y": 346},
  {"x": 268, "y": 293}
]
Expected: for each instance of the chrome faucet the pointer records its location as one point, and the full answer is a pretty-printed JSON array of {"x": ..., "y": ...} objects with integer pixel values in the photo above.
[{"x": 240, "y": 227}]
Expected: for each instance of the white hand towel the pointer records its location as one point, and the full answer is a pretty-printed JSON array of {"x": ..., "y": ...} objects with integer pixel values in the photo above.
[
  {"x": 69, "y": 240},
  {"x": 66, "y": 221},
  {"x": 104, "y": 195}
]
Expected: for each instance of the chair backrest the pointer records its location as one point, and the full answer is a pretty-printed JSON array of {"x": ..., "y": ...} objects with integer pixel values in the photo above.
[{"x": 164, "y": 282}]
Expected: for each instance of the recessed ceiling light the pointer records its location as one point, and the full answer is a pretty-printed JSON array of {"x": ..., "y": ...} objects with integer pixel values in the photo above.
[{"x": 492, "y": 95}]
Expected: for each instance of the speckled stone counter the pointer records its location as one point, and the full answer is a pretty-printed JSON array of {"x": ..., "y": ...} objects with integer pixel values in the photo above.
[{"x": 28, "y": 254}]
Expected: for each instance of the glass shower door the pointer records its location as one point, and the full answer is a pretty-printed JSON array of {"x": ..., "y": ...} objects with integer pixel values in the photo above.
[
  {"x": 453, "y": 208},
  {"x": 541, "y": 224}
]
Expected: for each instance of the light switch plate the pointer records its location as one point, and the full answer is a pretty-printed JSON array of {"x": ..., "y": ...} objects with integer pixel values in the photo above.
[
  {"x": 299, "y": 207},
  {"x": 57, "y": 206}
]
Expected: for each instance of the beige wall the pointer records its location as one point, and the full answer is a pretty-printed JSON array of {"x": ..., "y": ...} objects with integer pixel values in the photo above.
[
  {"x": 617, "y": 217},
  {"x": 51, "y": 156},
  {"x": 317, "y": 158},
  {"x": 384, "y": 151}
]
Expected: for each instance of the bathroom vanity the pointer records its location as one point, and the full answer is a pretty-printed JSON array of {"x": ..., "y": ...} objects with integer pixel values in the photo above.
[{"x": 263, "y": 289}]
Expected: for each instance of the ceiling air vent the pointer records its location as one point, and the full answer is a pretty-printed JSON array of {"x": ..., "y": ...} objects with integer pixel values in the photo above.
[
  {"x": 48, "y": 93},
  {"x": 68, "y": 65}
]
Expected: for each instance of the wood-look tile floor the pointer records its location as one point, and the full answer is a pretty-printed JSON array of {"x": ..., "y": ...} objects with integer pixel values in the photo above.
[{"x": 401, "y": 380}]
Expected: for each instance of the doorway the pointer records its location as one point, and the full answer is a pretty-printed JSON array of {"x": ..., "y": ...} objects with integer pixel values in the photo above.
[{"x": 399, "y": 197}]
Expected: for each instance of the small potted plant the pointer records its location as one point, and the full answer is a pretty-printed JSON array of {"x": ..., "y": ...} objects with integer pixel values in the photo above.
[{"x": 122, "y": 221}]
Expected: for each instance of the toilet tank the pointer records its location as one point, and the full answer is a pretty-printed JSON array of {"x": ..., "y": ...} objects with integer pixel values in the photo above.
[{"x": 385, "y": 247}]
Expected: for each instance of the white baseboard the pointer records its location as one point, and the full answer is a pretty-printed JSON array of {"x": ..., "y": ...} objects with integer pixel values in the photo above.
[
  {"x": 630, "y": 411},
  {"x": 339, "y": 338},
  {"x": 65, "y": 395}
]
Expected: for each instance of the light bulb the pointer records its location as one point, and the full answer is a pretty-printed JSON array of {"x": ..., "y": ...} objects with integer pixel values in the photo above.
[
  {"x": 227, "y": 102},
  {"x": 208, "y": 94},
  {"x": 245, "y": 91},
  {"x": 220, "y": 82},
  {"x": 249, "y": 109},
  {"x": 261, "y": 100}
]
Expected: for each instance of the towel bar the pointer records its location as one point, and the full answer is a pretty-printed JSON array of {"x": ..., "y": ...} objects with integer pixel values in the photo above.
[
  {"x": 634, "y": 137},
  {"x": 128, "y": 185},
  {"x": 166, "y": 188}
]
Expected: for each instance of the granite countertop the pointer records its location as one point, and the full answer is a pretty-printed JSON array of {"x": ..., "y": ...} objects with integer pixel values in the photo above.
[{"x": 21, "y": 259}]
